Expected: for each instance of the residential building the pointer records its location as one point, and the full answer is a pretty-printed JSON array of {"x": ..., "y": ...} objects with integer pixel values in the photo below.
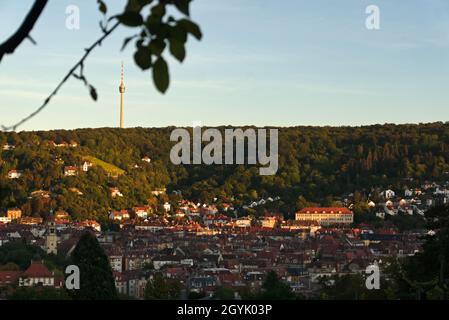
[
  {"x": 14, "y": 174},
  {"x": 70, "y": 171},
  {"x": 37, "y": 274},
  {"x": 5, "y": 220},
  {"x": 86, "y": 166},
  {"x": 115, "y": 192},
  {"x": 119, "y": 215},
  {"x": 30, "y": 220},
  {"x": 14, "y": 213},
  {"x": 326, "y": 216},
  {"x": 8, "y": 147}
]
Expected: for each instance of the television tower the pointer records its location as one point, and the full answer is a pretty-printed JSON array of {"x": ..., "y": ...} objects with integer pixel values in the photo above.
[{"x": 122, "y": 98}]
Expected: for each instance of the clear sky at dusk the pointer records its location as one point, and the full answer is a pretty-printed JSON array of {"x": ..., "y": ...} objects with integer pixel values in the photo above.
[{"x": 261, "y": 62}]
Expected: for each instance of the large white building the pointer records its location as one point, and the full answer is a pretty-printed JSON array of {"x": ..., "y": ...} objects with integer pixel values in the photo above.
[{"x": 326, "y": 216}]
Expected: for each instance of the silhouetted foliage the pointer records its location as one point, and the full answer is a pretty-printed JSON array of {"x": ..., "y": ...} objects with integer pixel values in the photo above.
[
  {"x": 96, "y": 279},
  {"x": 427, "y": 273},
  {"x": 19, "y": 254},
  {"x": 39, "y": 293},
  {"x": 274, "y": 289},
  {"x": 160, "y": 288}
]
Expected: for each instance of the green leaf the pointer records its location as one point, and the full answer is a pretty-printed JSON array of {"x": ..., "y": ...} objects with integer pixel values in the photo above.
[
  {"x": 144, "y": 2},
  {"x": 131, "y": 19},
  {"x": 183, "y": 6},
  {"x": 153, "y": 24},
  {"x": 177, "y": 49},
  {"x": 157, "y": 46},
  {"x": 102, "y": 7},
  {"x": 93, "y": 93},
  {"x": 158, "y": 10},
  {"x": 133, "y": 5},
  {"x": 137, "y": 5},
  {"x": 126, "y": 41},
  {"x": 179, "y": 33},
  {"x": 142, "y": 57},
  {"x": 191, "y": 27},
  {"x": 161, "y": 76}
]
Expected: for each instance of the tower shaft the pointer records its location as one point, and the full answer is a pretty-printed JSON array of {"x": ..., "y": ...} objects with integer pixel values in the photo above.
[
  {"x": 122, "y": 99},
  {"x": 122, "y": 106}
]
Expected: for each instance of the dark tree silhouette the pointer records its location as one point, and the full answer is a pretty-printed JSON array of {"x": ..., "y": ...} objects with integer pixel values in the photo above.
[
  {"x": 96, "y": 280},
  {"x": 275, "y": 289},
  {"x": 160, "y": 288},
  {"x": 428, "y": 271}
]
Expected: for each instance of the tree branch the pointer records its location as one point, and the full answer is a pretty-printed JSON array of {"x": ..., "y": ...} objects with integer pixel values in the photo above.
[
  {"x": 10, "y": 45},
  {"x": 79, "y": 64}
]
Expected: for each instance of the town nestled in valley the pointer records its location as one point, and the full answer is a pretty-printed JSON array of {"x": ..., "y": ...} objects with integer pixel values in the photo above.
[{"x": 223, "y": 248}]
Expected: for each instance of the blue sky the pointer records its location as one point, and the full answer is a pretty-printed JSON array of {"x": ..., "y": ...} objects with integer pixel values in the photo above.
[{"x": 261, "y": 62}]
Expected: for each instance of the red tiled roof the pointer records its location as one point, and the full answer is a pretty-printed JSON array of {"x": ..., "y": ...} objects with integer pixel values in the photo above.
[
  {"x": 9, "y": 276},
  {"x": 37, "y": 270},
  {"x": 326, "y": 210}
]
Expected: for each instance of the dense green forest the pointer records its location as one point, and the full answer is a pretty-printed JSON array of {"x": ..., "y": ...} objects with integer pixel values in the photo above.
[{"x": 316, "y": 165}]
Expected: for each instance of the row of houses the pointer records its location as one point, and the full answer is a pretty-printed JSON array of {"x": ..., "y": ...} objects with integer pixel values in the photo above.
[
  {"x": 238, "y": 258},
  {"x": 241, "y": 259},
  {"x": 68, "y": 170}
]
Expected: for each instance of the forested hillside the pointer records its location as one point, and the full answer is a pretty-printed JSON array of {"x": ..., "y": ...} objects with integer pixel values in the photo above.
[{"x": 316, "y": 164}]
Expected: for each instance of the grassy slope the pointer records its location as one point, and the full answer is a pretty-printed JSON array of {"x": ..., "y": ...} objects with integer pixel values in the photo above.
[{"x": 110, "y": 168}]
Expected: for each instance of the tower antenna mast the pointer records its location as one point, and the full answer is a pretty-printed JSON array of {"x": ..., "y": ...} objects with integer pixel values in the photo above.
[{"x": 122, "y": 97}]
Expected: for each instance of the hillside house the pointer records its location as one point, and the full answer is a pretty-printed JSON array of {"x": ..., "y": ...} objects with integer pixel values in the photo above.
[
  {"x": 119, "y": 215},
  {"x": 8, "y": 147},
  {"x": 86, "y": 166},
  {"x": 5, "y": 220},
  {"x": 70, "y": 171},
  {"x": 141, "y": 212},
  {"x": 115, "y": 192},
  {"x": 14, "y": 174},
  {"x": 14, "y": 213}
]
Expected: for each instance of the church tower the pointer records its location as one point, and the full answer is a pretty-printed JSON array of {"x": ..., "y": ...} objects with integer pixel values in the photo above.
[
  {"x": 51, "y": 244},
  {"x": 122, "y": 98}
]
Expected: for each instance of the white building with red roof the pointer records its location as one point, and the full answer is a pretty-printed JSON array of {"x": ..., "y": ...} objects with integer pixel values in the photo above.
[
  {"x": 14, "y": 174},
  {"x": 38, "y": 274},
  {"x": 70, "y": 171},
  {"x": 141, "y": 212},
  {"x": 9, "y": 278},
  {"x": 119, "y": 215},
  {"x": 326, "y": 216},
  {"x": 8, "y": 147}
]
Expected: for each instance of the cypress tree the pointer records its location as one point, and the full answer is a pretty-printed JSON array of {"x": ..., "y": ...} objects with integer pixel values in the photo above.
[{"x": 96, "y": 279}]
